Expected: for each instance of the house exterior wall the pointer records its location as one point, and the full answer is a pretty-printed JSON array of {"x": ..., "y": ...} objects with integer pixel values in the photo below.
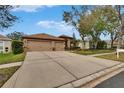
[
  {"x": 1, "y": 46},
  {"x": 108, "y": 46},
  {"x": 6, "y": 46},
  {"x": 87, "y": 45},
  {"x": 68, "y": 43},
  {"x": 115, "y": 44},
  {"x": 81, "y": 45}
]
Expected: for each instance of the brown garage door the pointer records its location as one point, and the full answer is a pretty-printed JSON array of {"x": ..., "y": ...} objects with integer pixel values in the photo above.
[
  {"x": 59, "y": 46},
  {"x": 33, "y": 45}
]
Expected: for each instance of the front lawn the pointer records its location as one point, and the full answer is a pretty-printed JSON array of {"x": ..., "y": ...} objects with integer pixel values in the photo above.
[
  {"x": 6, "y": 73},
  {"x": 92, "y": 51},
  {"x": 9, "y": 58},
  {"x": 113, "y": 57}
]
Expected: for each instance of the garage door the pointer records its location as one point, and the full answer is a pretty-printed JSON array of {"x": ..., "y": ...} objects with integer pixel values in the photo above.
[
  {"x": 39, "y": 46},
  {"x": 59, "y": 46}
]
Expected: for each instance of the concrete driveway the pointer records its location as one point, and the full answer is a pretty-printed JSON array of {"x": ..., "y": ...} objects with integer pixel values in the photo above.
[{"x": 54, "y": 69}]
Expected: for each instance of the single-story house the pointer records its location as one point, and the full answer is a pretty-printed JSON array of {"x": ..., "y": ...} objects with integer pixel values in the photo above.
[
  {"x": 115, "y": 43},
  {"x": 43, "y": 42},
  {"x": 68, "y": 41},
  {"x": 5, "y": 44},
  {"x": 82, "y": 46}
]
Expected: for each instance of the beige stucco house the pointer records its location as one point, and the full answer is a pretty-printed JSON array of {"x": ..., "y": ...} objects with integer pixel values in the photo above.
[
  {"x": 5, "y": 44},
  {"x": 46, "y": 42},
  {"x": 68, "y": 41}
]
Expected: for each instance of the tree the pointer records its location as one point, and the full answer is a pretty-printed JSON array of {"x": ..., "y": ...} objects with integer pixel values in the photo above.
[
  {"x": 119, "y": 9},
  {"x": 15, "y": 35},
  {"x": 98, "y": 25},
  {"x": 94, "y": 21},
  {"x": 85, "y": 26},
  {"x": 73, "y": 16},
  {"x": 88, "y": 21},
  {"x": 74, "y": 40},
  {"x": 112, "y": 23},
  {"x": 6, "y": 18},
  {"x": 93, "y": 25}
]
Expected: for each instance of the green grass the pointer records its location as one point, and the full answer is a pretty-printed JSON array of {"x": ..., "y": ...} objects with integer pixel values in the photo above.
[
  {"x": 92, "y": 51},
  {"x": 9, "y": 58},
  {"x": 113, "y": 57},
  {"x": 6, "y": 73}
]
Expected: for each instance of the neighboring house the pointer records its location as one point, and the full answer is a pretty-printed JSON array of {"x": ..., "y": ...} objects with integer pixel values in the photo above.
[
  {"x": 82, "y": 46},
  {"x": 43, "y": 42},
  {"x": 68, "y": 41},
  {"x": 5, "y": 44},
  {"x": 115, "y": 43},
  {"x": 109, "y": 44}
]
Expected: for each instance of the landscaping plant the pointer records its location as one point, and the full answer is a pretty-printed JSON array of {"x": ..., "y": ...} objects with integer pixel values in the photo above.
[{"x": 17, "y": 47}]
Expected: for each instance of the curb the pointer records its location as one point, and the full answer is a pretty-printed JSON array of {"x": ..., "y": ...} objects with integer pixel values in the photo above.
[{"x": 96, "y": 78}]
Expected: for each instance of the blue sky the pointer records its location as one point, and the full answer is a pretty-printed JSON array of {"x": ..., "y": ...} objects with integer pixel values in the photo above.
[{"x": 42, "y": 19}]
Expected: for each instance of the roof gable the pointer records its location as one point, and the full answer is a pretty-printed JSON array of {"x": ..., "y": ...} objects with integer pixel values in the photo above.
[{"x": 4, "y": 38}]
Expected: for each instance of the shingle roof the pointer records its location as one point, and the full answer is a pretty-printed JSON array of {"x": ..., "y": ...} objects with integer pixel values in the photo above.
[
  {"x": 4, "y": 38},
  {"x": 43, "y": 36}
]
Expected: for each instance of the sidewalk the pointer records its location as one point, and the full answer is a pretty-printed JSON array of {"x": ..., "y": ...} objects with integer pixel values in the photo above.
[
  {"x": 10, "y": 65},
  {"x": 93, "y": 55}
]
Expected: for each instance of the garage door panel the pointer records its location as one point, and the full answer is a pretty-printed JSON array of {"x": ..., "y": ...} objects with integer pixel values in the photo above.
[
  {"x": 59, "y": 46},
  {"x": 39, "y": 46}
]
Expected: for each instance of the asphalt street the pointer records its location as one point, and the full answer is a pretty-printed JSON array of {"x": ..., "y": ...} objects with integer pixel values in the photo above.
[{"x": 114, "y": 82}]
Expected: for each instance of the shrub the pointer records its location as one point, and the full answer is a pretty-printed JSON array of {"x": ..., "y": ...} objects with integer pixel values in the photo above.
[
  {"x": 17, "y": 47},
  {"x": 101, "y": 45},
  {"x": 75, "y": 48}
]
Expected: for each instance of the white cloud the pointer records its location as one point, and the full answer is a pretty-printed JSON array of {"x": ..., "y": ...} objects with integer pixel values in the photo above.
[
  {"x": 60, "y": 26},
  {"x": 31, "y": 8}
]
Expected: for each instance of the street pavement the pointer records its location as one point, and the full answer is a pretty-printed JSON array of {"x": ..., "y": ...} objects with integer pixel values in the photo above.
[{"x": 114, "y": 82}]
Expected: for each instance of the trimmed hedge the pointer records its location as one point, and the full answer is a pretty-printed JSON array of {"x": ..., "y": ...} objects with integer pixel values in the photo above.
[
  {"x": 101, "y": 45},
  {"x": 17, "y": 47}
]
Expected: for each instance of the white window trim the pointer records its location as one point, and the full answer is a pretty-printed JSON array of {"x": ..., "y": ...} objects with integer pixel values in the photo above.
[{"x": 3, "y": 46}]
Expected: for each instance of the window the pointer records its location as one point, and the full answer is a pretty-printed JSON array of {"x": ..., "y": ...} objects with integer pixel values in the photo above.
[{"x": 6, "y": 49}]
